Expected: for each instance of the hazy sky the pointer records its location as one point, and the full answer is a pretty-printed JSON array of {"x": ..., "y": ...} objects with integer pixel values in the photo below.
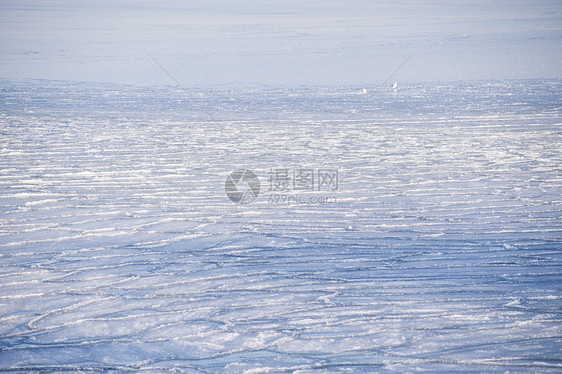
[{"x": 279, "y": 42}]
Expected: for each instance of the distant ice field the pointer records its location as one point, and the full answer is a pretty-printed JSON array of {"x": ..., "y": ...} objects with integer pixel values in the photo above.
[{"x": 439, "y": 249}]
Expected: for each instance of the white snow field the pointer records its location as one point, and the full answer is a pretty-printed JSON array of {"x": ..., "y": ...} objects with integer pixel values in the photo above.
[
  {"x": 279, "y": 42},
  {"x": 440, "y": 250}
]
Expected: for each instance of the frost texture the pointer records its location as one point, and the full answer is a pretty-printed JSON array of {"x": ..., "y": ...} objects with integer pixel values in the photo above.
[{"x": 119, "y": 249}]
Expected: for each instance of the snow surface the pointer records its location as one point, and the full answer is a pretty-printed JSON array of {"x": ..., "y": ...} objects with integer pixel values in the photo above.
[
  {"x": 119, "y": 249},
  {"x": 332, "y": 42}
]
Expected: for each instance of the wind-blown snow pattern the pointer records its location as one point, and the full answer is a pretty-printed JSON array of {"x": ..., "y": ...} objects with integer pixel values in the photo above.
[{"x": 120, "y": 251}]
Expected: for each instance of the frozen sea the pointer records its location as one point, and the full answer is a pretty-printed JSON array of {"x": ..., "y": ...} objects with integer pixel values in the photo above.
[{"x": 439, "y": 249}]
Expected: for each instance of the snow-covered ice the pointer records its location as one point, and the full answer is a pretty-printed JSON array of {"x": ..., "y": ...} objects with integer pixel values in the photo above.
[
  {"x": 119, "y": 249},
  {"x": 296, "y": 42}
]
